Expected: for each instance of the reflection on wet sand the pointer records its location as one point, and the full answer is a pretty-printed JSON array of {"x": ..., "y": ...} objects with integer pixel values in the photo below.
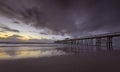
[
  {"x": 3, "y": 54},
  {"x": 26, "y": 52},
  {"x": 36, "y": 52},
  {"x": 83, "y": 49}
]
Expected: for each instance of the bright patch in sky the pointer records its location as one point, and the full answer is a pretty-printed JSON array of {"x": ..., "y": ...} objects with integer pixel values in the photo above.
[{"x": 11, "y": 27}]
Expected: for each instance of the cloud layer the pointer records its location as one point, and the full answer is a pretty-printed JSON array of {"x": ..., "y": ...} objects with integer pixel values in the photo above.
[
  {"x": 9, "y": 29},
  {"x": 75, "y": 17}
]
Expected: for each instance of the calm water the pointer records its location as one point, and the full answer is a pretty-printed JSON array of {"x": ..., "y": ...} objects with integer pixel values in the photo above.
[
  {"x": 18, "y": 51},
  {"x": 56, "y": 58}
]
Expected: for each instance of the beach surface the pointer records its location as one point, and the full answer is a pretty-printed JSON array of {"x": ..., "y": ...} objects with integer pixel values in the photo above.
[{"x": 96, "y": 62}]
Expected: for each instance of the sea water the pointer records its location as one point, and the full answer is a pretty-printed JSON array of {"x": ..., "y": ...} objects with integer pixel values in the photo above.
[{"x": 19, "y": 51}]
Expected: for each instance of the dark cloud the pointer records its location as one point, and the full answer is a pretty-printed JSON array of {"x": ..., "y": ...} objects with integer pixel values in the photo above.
[
  {"x": 43, "y": 33},
  {"x": 9, "y": 29},
  {"x": 16, "y": 22},
  {"x": 41, "y": 40},
  {"x": 14, "y": 36},
  {"x": 66, "y": 16},
  {"x": 2, "y": 31}
]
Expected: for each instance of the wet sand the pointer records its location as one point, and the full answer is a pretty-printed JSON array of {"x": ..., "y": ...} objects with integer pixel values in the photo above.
[{"x": 100, "y": 62}]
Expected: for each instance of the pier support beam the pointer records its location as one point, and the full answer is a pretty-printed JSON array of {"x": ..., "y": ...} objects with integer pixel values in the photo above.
[
  {"x": 109, "y": 44},
  {"x": 98, "y": 44}
]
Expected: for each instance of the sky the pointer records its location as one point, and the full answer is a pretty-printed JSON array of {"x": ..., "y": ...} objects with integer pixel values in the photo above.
[{"x": 57, "y": 19}]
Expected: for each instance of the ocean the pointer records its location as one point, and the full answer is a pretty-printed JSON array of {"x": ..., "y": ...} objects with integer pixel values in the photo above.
[
  {"x": 19, "y": 51},
  {"x": 57, "y": 58}
]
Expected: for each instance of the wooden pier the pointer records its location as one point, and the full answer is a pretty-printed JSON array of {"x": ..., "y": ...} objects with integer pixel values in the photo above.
[{"x": 95, "y": 40}]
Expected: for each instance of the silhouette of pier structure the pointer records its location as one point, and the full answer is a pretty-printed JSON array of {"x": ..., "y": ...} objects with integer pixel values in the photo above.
[{"x": 97, "y": 41}]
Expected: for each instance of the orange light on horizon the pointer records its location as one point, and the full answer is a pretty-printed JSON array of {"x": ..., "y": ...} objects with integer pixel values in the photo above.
[
  {"x": 22, "y": 36},
  {"x": 5, "y": 35}
]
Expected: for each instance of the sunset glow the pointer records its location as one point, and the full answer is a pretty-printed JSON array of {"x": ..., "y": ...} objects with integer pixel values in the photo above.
[
  {"x": 22, "y": 36},
  {"x": 5, "y": 34}
]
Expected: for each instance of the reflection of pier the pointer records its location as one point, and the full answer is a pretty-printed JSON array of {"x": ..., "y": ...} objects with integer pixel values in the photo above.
[{"x": 97, "y": 41}]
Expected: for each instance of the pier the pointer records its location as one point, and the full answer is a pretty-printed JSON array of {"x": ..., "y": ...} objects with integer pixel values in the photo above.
[{"x": 94, "y": 40}]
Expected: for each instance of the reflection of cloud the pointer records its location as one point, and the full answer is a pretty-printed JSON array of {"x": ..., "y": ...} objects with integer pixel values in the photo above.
[
  {"x": 3, "y": 54},
  {"x": 26, "y": 52}
]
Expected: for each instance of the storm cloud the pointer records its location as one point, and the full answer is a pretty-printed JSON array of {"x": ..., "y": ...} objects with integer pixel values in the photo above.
[
  {"x": 73, "y": 17},
  {"x": 9, "y": 29}
]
